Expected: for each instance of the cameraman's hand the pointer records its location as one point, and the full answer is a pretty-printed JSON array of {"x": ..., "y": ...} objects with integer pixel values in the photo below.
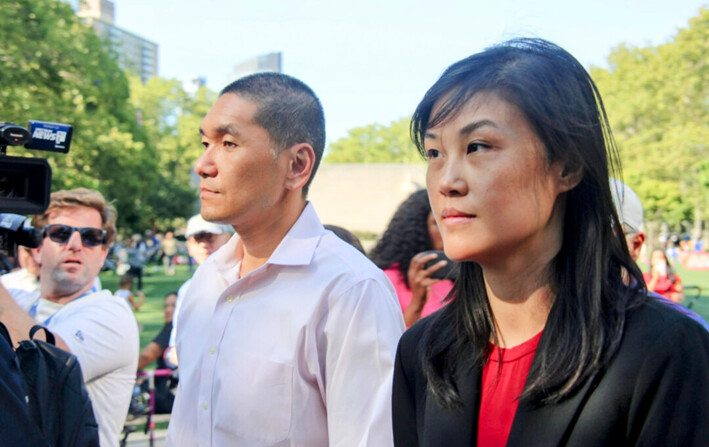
[{"x": 419, "y": 283}]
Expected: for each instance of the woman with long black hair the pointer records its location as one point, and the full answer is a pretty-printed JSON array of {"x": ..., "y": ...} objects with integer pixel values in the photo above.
[{"x": 550, "y": 338}]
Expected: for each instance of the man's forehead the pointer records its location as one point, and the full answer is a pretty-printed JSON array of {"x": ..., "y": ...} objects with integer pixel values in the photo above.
[
  {"x": 73, "y": 212},
  {"x": 229, "y": 113}
]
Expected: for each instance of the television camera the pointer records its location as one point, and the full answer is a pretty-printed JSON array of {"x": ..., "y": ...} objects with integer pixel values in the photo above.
[{"x": 25, "y": 182}]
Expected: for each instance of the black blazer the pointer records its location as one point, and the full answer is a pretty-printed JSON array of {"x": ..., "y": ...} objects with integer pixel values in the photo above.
[{"x": 654, "y": 392}]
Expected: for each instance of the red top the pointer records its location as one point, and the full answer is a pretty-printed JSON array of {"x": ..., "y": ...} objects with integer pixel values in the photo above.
[
  {"x": 500, "y": 390},
  {"x": 664, "y": 286}
]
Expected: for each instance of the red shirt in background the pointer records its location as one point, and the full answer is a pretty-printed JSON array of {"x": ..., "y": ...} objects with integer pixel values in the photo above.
[{"x": 664, "y": 286}]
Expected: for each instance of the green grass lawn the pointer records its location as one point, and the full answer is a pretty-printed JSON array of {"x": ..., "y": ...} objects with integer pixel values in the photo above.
[
  {"x": 155, "y": 286},
  {"x": 696, "y": 278}
]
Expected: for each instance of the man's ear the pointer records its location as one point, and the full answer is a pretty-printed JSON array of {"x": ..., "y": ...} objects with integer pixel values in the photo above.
[
  {"x": 37, "y": 254},
  {"x": 300, "y": 167},
  {"x": 635, "y": 244}
]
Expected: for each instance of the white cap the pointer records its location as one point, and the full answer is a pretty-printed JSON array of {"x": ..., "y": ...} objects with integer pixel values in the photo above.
[
  {"x": 628, "y": 205},
  {"x": 198, "y": 225}
]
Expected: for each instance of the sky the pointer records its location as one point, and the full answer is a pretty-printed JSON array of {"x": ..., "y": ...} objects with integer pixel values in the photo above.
[{"x": 372, "y": 61}]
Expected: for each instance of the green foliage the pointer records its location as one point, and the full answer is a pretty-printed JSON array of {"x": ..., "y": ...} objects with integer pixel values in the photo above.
[
  {"x": 375, "y": 143},
  {"x": 657, "y": 100},
  {"x": 54, "y": 68}
]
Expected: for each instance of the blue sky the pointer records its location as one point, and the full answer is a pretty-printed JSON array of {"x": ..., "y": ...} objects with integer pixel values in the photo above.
[{"x": 372, "y": 61}]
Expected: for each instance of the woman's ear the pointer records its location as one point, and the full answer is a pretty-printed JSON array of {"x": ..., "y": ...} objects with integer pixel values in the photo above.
[
  {"x": 301, "y": 162},
  {"x": 569, "y": 177}
]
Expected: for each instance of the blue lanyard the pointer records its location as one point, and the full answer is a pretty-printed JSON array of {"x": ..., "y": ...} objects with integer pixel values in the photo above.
[{"x": 33, "y": 310}]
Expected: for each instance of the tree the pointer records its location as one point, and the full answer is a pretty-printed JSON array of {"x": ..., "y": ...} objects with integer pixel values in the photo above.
[
  {"x": 170, "y": 119},
  {"x": 657, "y": 100},
  {"x": 55, "y": 69},
  {"x": 375, "y": 143}
]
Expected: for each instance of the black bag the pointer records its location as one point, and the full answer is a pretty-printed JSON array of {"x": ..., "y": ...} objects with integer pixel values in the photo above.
[{"x": 57, "y": 398}]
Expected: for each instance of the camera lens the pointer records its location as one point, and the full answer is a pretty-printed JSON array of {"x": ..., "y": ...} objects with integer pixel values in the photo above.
[{"x": 7, "y": 185}]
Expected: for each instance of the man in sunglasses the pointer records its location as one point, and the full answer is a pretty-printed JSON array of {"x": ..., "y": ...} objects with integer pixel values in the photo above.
[
  {"x": 203, "y": 239},
  {"x": 287, "y": 334},
  {"x": 97, "y": 327}
]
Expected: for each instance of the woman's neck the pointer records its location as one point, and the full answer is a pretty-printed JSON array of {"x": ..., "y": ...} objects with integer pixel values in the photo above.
[{"x": 520, "y": 299}]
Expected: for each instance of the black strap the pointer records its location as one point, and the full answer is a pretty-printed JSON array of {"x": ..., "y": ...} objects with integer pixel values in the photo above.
[
  {"x": 6, "y": 334},
  {"x": 49, "y": 336}
]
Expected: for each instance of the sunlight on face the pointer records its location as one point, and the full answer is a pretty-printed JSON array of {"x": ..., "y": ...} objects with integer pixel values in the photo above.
[{"x": 492, "y": 192}]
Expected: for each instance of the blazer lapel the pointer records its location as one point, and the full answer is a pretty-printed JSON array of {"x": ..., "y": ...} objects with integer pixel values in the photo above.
[
  {"x": 455, "y": 427},
  {"x": 550, "y": 425}
]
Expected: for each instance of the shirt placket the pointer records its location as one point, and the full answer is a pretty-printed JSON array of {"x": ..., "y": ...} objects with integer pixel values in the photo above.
[{"x": 215, "y": 333}]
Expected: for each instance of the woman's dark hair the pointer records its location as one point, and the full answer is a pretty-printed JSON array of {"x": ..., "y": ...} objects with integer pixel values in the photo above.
[
  {"x": 405, "y": 236},
  {"x": 585, "y": 324}
]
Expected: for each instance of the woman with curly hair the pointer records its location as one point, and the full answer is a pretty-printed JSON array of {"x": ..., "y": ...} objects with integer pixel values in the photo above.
[{"x": 403, "y": 251}]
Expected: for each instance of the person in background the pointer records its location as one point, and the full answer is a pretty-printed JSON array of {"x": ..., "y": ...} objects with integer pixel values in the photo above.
[
  {"x": 97, "y": 327},
  {"x": 27, "y": 276},
  {"x": 154, "y": 351},
  {"x": 287, "y": 334},
  {"x": 631, "y": 214},
  {"x": 168, "y": 245},
  {"x": 401, "y": 253},
  {"x": 662, "y": 278},
  {"x": 125, "y": 291},
  {"x": 203, "y": 239},
  {"x": 552, "y": 338}
]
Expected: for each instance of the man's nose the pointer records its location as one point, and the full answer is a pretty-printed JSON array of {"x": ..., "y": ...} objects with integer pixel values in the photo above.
[
  {"x": 74, "y": 243},
  {"x": 205, "y": 166}
]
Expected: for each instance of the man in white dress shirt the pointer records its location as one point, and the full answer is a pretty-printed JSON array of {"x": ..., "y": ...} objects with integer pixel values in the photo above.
[
  {"x": 94, "y": 325},
  {"x": 287, "y": 334}
]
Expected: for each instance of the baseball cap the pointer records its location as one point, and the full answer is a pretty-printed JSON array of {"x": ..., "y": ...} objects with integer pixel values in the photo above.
[
  {"x": 197, "y": 224},
  {"x": 628, "y": 206}
]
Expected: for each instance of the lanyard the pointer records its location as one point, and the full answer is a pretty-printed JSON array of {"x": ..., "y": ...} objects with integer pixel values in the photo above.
[{"x": 33, "y": 310}]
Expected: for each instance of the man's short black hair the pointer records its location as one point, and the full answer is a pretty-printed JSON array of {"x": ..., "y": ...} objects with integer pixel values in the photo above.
[{"x": 288, "y": 110}]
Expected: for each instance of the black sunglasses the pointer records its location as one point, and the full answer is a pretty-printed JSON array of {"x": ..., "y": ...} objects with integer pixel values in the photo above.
[
  {"x": 204, "y": 237},
  {"x": 90, "y": 237}
]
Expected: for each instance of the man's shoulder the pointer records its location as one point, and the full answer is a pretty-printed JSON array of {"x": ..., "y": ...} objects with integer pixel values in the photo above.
[
  {"x": 344, "y": 259},
  {"x": 24, "y": 298},
  {"x": 105, "y": 301}
]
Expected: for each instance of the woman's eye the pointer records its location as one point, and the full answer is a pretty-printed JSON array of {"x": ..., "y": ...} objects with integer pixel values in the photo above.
[
  {"x": 229, "y": 144},
  {"x": 432, "y": 153}
]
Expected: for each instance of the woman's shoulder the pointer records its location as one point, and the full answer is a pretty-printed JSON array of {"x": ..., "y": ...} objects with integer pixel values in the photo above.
[
  {"x": 411, "y": 341},
  {"x": 659, "y": 318}
]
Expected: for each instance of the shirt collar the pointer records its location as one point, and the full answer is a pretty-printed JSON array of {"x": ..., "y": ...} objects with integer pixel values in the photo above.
[{"x": 296, "y": 248}]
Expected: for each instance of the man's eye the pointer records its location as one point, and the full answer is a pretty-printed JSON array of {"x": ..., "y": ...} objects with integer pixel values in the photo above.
[
  {"x": 432, "y": 153},
  {"x": 474, "y": 147},
  {"x": 229, "y": 144}
]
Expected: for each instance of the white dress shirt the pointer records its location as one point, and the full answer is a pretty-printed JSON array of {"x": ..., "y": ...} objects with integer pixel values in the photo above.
[{"x": 299, "y": 352}]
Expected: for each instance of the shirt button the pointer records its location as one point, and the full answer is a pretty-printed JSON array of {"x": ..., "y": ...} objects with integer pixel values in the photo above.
[
  {"x": 205, "y": 406},
  {"x": 212, "y": 350},
  {"x": 230, "y": 298}
]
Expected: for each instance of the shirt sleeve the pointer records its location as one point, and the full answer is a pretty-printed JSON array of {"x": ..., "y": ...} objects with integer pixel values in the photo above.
[
  {"x": 103, "y": 337},
  {"x": 362, "y": 332}
]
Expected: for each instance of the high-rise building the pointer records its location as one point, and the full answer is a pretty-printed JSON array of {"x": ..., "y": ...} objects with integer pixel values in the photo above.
[
  {"x": 263, "y": 62},
  {"x": 135, "y": 53}
]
